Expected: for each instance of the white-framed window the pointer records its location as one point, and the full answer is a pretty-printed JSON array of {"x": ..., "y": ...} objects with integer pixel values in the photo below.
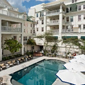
[
  {"x": 25, "y": 38},
  {"x": 84, "y": 16},
  {"x": 71, "y": 18},
  {"x": 67, "y": 19},
  {"x": 79, "y": 7},
  {"x": 42, "y": 29},
  {"x": 83, "y": 6},
  {"x": 37, "y": 29},
  {"x": 84, "y": 26},
  {"x": 79, "y": 17},
  {"x": 42, "y": 21},
  {"x": 79, "y": 26}
]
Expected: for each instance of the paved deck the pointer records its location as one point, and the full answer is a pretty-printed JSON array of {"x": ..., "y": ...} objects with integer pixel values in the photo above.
[{"x": 5, "y": 73}]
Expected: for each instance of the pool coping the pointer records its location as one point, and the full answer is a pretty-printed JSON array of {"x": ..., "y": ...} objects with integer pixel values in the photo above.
[{"x": 6, "y": 73}]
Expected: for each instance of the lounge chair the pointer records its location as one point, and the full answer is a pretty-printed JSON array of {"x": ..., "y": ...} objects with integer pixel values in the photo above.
[
  {"x": 10, "y": 63},
  {"x": 3, "y": 66},
  {"x": 30, "y": 57},
  {"x": 14, "y": 62}
]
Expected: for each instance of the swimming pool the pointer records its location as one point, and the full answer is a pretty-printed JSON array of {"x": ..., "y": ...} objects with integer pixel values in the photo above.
[{"x": 41, "y": 73}]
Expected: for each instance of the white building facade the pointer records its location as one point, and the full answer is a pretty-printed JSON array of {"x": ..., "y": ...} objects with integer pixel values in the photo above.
[
  {"x": 64, "y": 18},
  {"x": 11, "y": 26}
]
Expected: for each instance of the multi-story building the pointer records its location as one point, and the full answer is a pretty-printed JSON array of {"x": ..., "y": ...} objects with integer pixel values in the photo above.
[
  {"x": 11, "y": 25},
  {"x": 29, "y": 32},
  {"x": 64, "y": 18}
]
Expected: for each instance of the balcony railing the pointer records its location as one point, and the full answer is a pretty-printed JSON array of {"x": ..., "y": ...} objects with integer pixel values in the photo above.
[
  {"x": 53, "y": 22},
  {"x": 8, "y": 13},
  {"x": 10, "y": 29},
  {"x": 54, "y": 12},
  {"x": 54, "y": 32}
]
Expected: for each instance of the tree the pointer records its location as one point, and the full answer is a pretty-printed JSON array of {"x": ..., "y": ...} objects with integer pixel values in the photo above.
[
  {"x": 12, "y": 45},
  {"x": 31, "y": 42}
]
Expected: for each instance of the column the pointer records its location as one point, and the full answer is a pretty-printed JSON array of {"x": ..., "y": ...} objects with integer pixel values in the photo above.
[
  {"x": 0, "y": 43},
  {"x": 22, "y": 50},
  {"x": 45, "y": 21},
  {"x": 60, "y": 22}
]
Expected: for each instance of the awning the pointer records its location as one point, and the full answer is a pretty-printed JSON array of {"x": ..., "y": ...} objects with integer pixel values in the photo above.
[
  {"x": 66, "y": 37},
  {"x": 83, "y": 37}
]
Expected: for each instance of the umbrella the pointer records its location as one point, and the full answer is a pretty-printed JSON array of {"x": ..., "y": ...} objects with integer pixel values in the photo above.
[
  {"x": 80, "y": 56},
  {"x": 75, "y": 66},
  {"x": 71, "y": 77},
  {"x": 78, "y": 60}
]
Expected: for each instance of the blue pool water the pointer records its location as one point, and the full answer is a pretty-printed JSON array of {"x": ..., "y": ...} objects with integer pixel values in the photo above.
[{"x": 42, "y": 73}]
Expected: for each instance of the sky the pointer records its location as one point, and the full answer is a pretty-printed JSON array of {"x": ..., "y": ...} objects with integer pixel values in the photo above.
[{"x": 24, "y": 5}]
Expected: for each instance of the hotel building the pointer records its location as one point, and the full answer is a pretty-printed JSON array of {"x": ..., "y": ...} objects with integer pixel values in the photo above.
[{"x": 64, "y": 18}]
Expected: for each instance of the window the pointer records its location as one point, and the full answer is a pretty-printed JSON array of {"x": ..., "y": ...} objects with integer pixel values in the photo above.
[
  {"x": 79, "y": 7},
  {"x": 14, "y": 37},
  {"x": 79, "y": 17},
  {"x": 37, "y": 15},
  {"x": 37, "y": 29},
  {"x": 31, "y": 31},
  {"x": 79, "y": 26},
  {"x": 42, "y": 21},
  {"x": 42, "y": 29},
  {"x": 31, "y": 25},
  {"x": 25, "y": 38},
  {"x": 66, "y": 27},
  {"x": 84, "y": 26},
  {"x": 67, "y": 10},
  {"x": 67, "y": 19},
  {"x": 72, "y": 1},
  {"x": 84, "y": 16},
  {"x": 83, "y": 6},
  {"x": 71, "y": 18}
]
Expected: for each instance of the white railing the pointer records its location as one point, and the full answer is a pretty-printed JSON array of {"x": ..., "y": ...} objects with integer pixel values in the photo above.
[
  {"x": 54, "y": 32},
  {"x": 10, "y": 29},
  {"x": 53, "y": 22},
  {"x": 54, "y": 11},
  {"x": 16, "y": 15}
]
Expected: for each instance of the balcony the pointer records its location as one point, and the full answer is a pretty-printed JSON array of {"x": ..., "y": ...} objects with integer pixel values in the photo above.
[
  {"x": 54, "y": 32},
  {"x": 12, "y": 14},
  {"x": 53, "y": 22},
  {"x": 54, "y": 12},
  {"x": 10, "y": 29}
]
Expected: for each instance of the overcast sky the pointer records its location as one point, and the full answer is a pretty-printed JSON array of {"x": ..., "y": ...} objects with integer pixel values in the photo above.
[{"x": 24, "y": 5}]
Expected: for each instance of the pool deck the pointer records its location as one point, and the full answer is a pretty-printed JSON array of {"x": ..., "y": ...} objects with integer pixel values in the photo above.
[{"x": 5, "y": 73}]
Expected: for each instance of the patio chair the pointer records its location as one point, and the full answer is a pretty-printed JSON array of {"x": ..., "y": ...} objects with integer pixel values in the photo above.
[
  {"x": 10, "y": 64},
  {"x": 27, "y": 57},
  {"x": 23, "y": 59},
  {"x": 19, "y": 59},
  {"x": 30, "y": 57},
  {"x": 3, "y": 66},
  {"x": 14, "y": 62}
]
